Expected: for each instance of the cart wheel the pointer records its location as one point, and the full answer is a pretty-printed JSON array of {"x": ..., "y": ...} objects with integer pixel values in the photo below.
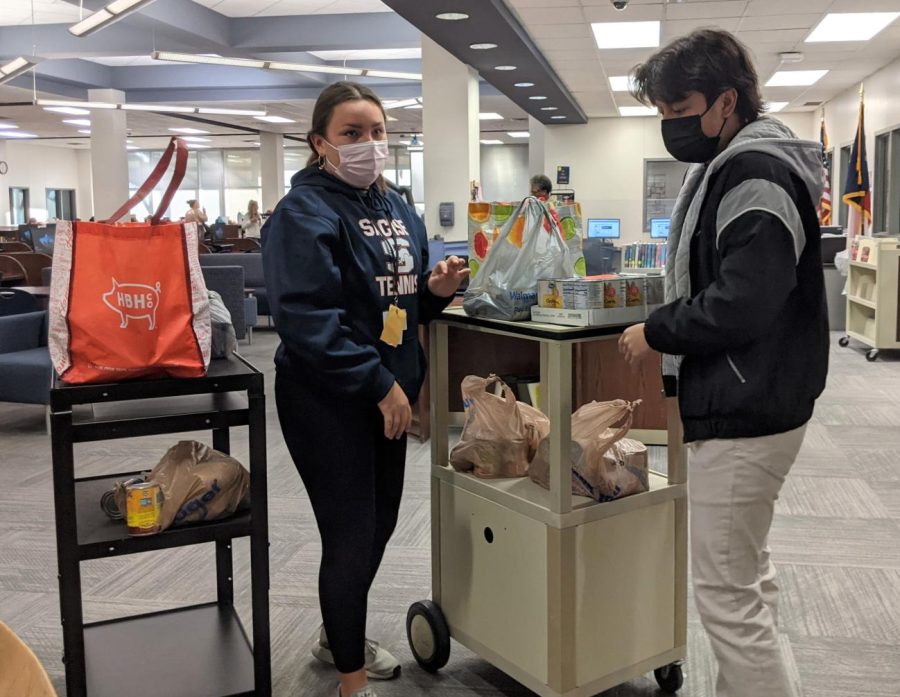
[
  {"x": 670, "y": 678},
  {"x": 872, "y": 355},
  {"x": 428, "y": 634},
  {"x": 844, "y": 341}
]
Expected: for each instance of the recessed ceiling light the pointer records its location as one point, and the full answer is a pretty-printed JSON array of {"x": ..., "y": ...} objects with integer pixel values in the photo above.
[
  {"x": 452, "y": 16},
  {"x": 70, "y": 110},
  {"x": 524, "y": 84},
  {"x": 78, "y": 122},
  {"x": 773, "y": 107},
  {"x": 626, "y": 34},
  {"x": 621, "y": 83},
  {"x": 794, "y": 78},
  {"x": 482, "y": 47},
  {"x": 131, "y": 147},
  {"x": 504, "y": 67},
  {"x": 7, "y": 126},
  {"x": 537, "y": 97},
  {"x": 274, "y": 119},
  {"x": 489, "y": 116},
  {"x": 17, "y": 134},
  {"x": 196, "y": 139},
  {"x": 557, "y": 117},
  {"x": 190, "y": 131},
  {"x": 86, "y": 131},
  {"x": 549, "y": 108},
  {"x": 492, "y": 142},
  {"x": 517, "y": 134},
  {"x": 851, "y": 26},
  {"x": 638, "y": 111}
]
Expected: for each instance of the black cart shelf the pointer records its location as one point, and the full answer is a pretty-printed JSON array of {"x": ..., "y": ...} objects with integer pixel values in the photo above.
[{"x": 196, "y": 651}]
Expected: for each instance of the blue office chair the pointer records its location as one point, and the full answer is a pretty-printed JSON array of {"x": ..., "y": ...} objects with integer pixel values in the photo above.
[
  {"x": 25, "y": 367},
  {"x": 15, "y": 302}
]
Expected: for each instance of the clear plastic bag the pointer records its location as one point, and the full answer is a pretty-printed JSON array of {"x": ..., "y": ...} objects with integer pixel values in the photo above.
[{"x": 525, "y": 252}]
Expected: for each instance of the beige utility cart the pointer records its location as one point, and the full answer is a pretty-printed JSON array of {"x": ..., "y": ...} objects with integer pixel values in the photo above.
[{"x": 568, "y": 596}]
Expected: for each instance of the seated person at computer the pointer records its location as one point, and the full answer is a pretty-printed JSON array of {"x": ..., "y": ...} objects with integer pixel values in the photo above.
[
  {"x": 541, "y": 186},
  {"x": 195, "y": 214}
]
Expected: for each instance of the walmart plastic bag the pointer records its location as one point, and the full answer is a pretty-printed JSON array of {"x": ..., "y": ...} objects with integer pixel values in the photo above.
[
  {"x": 605, "y": 464},
  {"x": 526, "y": 250},
  {"x": 500, "y": 435}
]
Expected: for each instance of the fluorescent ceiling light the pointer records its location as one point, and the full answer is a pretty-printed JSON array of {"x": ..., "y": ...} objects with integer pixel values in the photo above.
[
  {"x": 482, "y": 47},
  {"x": 86, "y": 131},
  {"x": 549, "y": 108},
  {"x": 113, "y": 12},
  {"x": 773, "y": 107},
  {"x": 518, "y": 134},
  {"x": 557, "y": 117},
  {"x": 492, "y": 142},
  {"x": 452, "y": 16},
  {"x": 621, "y": 83},
  {"x": 851, "y": 26},
  {"x": 391, "y": 75},
  {"x": 190, "y": 131},
  {"x": 194, "y": 146},
  {"x": 71, "y": 111},
  {"x": 274, "y": 119},
  {"x": 17, "y": 134},
  {"x": 162, "y": 108},
  {"x": 131, "y": 147},
  {"x": 169, "y": 56},
  {"x": 304, "y": 68},
  {"x": 195, "y": 139},
  {"x": 78, "y": 122},
  {"x": 75, "y": 108},
  {"x": 537, "y": 97},
  {"x": 524, "y": 84},
  {"x": 16, "y": 67},
  {"x": 7, "y": 126},
  {"x": 637, "y": 111},
  {"x": 404, "y": 142},
  {"x": 364, "y": 54},
  {"x": 794, "y": 78},
  {"x": 489, "y": 116},
  {"x": 626, "y": 34},
  {"x": 504, "y": 67}
]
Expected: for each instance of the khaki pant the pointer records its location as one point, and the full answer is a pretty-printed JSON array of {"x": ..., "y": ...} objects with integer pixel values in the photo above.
[{"x": 733, "y": 488}]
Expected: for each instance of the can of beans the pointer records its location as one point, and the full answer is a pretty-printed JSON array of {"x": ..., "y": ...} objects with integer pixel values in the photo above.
[{"x": 143, "y": 508}]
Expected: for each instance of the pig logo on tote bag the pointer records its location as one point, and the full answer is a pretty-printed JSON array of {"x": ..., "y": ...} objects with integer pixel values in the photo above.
[{"x": 133, "y": 301}]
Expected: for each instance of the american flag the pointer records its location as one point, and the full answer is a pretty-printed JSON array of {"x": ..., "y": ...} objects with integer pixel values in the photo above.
[
  {"x": 825, "y": 200},
  {"x": 856, "y": 189}
]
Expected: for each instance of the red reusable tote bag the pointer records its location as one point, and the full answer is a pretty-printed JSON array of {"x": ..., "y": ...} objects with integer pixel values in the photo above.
[{"x": 129, "y": 301}]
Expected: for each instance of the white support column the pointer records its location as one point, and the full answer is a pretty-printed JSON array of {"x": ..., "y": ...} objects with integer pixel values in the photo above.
[
  {"x": 271, "y": 155},
  {"x": 109, "y": 155},
  {"x": 84, "y": 193},
  {"x": 4, "y": 189},
  {"x": 537, "y": 149},
  {"x": 450, "y": 133}
]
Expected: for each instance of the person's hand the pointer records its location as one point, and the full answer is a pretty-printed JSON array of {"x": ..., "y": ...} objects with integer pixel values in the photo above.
[
  {"x": 396, "y": 411},
  {"x": 633, "y": 345},
  {"x": 446, "y": 276}
]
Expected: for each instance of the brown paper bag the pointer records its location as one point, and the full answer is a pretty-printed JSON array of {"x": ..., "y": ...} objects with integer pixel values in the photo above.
[{"x": 500, "y": 435}]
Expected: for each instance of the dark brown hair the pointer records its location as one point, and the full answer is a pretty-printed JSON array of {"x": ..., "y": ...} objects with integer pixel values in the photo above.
[
  {"x": 542, "y": 183},
  {"x": 709, "y": 61},
  {"x": 328, "y": 101}
]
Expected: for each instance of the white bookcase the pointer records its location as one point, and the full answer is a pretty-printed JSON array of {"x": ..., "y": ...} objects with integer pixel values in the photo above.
[{"x": 872, "y": 295}]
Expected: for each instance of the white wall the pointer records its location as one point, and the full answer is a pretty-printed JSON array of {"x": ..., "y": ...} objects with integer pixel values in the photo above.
[
  {"x": 607, "y": 157},
  {"x": 38, "y": 168},
  {"x": 504, "y": 172},
  {"x": 84, "y": 194},
  {"x": 842, "y": 115}
]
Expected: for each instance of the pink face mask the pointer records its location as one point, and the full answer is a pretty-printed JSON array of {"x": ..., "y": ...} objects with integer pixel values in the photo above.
[{"x": 361, "y": 163}]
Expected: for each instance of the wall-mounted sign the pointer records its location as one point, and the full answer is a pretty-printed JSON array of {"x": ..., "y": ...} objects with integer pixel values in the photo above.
[{"x": 562, "y": 174}]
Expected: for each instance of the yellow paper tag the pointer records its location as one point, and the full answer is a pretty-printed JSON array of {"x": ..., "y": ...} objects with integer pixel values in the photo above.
[{"x": 394, "y": 324}]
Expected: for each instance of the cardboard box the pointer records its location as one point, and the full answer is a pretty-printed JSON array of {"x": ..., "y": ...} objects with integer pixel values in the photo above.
[{"x": 624, "y": 316}]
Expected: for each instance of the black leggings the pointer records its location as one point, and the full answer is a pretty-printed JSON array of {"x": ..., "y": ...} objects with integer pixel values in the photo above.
[{"x": 354, "y": 478}]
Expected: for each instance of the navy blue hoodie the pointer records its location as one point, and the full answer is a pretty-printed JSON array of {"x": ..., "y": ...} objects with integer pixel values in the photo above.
[{"x": 331, "y": 256}]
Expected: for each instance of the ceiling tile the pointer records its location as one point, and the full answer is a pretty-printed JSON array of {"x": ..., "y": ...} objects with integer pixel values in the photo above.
[
  {"x": 555, "y": 14},
  {"x": 560, "y": 31},
  {"x": 639, "y": 13},
  {"x": 779, "y": 36},
  {"x": 777, "y": 7},
  {"x": 768, "y": 22},
  {"x": 672, "y": 29},
  {"x": 283, "y": 8},
  {"x": 706, "y": 10}
]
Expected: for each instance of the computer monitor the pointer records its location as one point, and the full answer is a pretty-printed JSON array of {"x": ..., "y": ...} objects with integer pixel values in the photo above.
[
  {"x": 44, "y": 239},
  {"x": 659, "y": 228},
  {"x": 26, "y": 234},
  {"x": 604, "y": 228},
  {"x": 218, "y": 232}
]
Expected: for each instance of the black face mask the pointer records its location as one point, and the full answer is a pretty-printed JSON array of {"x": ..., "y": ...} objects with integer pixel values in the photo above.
[{"x": 686, "y": 141}]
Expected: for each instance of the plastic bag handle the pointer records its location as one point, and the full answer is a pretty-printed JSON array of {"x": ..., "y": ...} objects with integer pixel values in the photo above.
[
  {"x": 625, "y": 427},
  {"x": 544, "y": 213},
  {"x": 505, "y": 393},
  {"x": 177, "y": 147}
]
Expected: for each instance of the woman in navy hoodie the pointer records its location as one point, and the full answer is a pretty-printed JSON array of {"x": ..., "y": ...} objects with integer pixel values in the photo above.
[{"x": 345, "y": 262}]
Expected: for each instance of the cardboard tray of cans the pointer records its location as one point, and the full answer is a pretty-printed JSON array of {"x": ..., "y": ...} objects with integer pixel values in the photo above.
[{"x": 598, "y": 300}]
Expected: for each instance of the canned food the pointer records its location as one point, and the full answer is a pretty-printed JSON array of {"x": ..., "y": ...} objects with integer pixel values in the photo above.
[{"x": 144, "y": 505}]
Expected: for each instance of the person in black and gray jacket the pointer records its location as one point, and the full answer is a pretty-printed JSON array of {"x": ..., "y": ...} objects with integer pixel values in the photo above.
[{"x": 744, "y": 333}]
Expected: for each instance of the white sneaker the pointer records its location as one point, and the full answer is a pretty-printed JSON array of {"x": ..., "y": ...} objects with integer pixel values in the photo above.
[
  {"x": 365, "y": 692},
  {"x": 380, "y": 664}
]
